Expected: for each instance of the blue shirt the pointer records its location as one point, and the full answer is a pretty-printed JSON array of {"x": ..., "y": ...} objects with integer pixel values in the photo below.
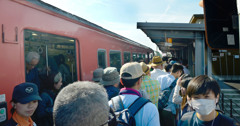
[
  {"x": 111, "y": 91},
  {"x": 147, "y": 116},
  {"x": 32, "y": 76}
]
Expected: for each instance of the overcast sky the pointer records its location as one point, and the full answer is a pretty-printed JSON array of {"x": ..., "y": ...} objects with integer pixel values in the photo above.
[{"x": 121, "y": 16}]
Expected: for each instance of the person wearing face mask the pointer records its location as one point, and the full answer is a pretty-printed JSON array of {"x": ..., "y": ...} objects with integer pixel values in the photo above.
[
  {"x": 203, "y": 95},
  {"x": 24, "y": 102}
]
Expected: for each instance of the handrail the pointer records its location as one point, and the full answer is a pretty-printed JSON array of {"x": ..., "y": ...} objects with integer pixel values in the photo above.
[{"x": 232, "y": 111}]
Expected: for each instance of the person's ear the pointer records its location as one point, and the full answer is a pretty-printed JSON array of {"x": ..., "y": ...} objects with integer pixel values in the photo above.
[
  {"x": 13, "y": 105},
  {"x": 217, "y": 99}
]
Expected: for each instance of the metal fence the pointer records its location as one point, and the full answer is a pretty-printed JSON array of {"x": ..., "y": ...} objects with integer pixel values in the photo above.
[{"x": 233, "y": 111}]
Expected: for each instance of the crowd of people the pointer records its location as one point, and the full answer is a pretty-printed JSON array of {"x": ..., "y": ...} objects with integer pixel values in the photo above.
[{"x": 131, "y": 95}]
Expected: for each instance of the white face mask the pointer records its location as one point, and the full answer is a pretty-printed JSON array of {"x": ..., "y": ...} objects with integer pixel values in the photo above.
[{"x": 203, "y": 106}]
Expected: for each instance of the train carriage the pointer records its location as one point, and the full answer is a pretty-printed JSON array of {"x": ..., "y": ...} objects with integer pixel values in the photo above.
[{"x": 28, "y": 25}]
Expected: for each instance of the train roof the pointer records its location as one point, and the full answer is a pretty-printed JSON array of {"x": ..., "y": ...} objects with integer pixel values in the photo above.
[{"x": 81, "y": 20}]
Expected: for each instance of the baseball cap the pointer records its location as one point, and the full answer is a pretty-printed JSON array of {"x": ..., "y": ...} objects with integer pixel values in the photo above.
[
  {"x": 25, "y": 92},
  {"x": 134, "y": 69}
]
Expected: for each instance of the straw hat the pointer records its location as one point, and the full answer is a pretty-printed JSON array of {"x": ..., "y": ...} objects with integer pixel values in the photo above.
[
  {"x": 145, "y": 68},
  {"x": 156, "y": 61}
]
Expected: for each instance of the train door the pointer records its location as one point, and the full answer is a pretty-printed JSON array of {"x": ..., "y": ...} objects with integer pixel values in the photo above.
[{"x": 57, "y": 54}]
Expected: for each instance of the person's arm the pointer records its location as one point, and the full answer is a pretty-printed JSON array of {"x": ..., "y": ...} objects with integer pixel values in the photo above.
[{"x": 177, "y": 99}]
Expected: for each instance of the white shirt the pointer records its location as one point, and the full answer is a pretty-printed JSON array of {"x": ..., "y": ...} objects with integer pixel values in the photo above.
[
  {"x": 177, "y": 99},
  {"x": 165, "y": 80},
  {"x": 147, "y": 116},
  {"x": 157, "y": 72}
]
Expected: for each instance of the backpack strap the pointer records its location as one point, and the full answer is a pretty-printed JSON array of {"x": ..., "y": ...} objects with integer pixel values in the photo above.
[
  {"x": 117, "y": 104},
  {"x": 137, "y": 105}
]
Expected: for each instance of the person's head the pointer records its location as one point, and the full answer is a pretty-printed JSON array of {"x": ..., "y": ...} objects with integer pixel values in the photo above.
[
  {"x": 157, "y": 62},
  {"x": 25, "y": 99},
  {"x": 185, "y": 79},
  {"x": 177, "y": 70},
  {"x": 145, "y": 68},
  {"x": 168, "y": 68},
  {"x": 130, "y": 74},
  {"x": 32, "y": 60},
  {"x": 53, "y": 81},
  {"x": 97, "y": 75},
  {"x": 110, "y": 77},
  {"x": 203, "y": 92},
  {"x": 82, "y": 103}
]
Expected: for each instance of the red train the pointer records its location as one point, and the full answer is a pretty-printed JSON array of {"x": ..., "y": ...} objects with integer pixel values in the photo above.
[{"x": 32, "y": 25}]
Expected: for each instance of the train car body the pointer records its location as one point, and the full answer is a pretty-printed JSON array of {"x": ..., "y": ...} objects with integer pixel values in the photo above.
[{"x": 36, "y": 26}]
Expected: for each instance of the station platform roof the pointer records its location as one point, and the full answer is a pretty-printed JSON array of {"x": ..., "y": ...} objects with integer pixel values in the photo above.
[{"x": 181, "y": 34}]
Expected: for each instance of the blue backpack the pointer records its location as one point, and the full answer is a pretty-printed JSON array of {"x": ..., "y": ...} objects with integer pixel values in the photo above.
[
  {"x": 125, "y": 116},
  {"x": 164, "y": 96}
]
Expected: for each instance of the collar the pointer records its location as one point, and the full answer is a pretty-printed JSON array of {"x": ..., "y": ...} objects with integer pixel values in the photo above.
[
  {"x": 129, "y": 91},
  {"x": 21, "y": 121}
]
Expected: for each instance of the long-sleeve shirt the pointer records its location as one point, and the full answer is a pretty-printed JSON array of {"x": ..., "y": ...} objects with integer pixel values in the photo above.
[{"x": 177, "y": 99}]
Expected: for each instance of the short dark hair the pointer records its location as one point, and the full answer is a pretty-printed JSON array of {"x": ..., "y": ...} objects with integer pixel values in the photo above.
[
  {"x": 168, "y": 68},
  {"x": 49, "y": 82},
  {"x": 185, "y": 80},
  {"x": 176, "y": 67},
  {"x": 202, "y": 85},
  {"x": 129, "y": 82}
]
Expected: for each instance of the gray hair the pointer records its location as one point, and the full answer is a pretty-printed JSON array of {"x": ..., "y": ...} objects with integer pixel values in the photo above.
[
  {"x": 81, "y": 103},
  {"x": 32, "y": 55}
]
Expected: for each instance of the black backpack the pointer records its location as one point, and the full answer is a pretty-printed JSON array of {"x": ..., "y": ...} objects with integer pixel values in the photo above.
[{"x": 120, "y": 116}]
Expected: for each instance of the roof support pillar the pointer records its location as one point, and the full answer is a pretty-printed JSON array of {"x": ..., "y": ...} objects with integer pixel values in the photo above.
[
  {"x": 190, "y": 59},
  {"x": 199, "y": 54},
  {"x": 209, "y": 61}
]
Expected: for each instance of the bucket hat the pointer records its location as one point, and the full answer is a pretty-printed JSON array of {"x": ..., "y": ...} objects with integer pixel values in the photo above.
[
  {"x": 97, "y": 74},
  {"x": 110, "y": 76}
]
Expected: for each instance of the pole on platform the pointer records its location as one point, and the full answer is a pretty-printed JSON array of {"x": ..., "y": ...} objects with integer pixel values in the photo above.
[{"x": 231, "y": 115}]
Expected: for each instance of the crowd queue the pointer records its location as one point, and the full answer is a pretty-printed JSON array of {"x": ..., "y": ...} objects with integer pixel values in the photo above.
[{"x": 191, "y": 101}]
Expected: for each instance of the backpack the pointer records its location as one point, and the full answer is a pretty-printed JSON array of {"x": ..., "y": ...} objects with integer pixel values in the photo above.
[
  {"x": 120, "y": 116},
  {"x": 164, "y": 96}
]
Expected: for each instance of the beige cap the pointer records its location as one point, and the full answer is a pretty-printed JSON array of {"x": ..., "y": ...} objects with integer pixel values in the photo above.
[{"x": 133, "y": 68}]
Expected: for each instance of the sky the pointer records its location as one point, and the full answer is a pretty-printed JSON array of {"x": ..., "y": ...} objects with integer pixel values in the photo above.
[{"x": 121, "y": 16}]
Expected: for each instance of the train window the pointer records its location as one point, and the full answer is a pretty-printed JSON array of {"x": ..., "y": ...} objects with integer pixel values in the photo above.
[
  {"x": 115, "y": 59},
  {"x": 134, "y": 57},
  {"x": 57, "y": 53},
  {"x": 127, "y": 57},
  {"x": 102, "y": 58},
  {"x": 144, "y": 56}
]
